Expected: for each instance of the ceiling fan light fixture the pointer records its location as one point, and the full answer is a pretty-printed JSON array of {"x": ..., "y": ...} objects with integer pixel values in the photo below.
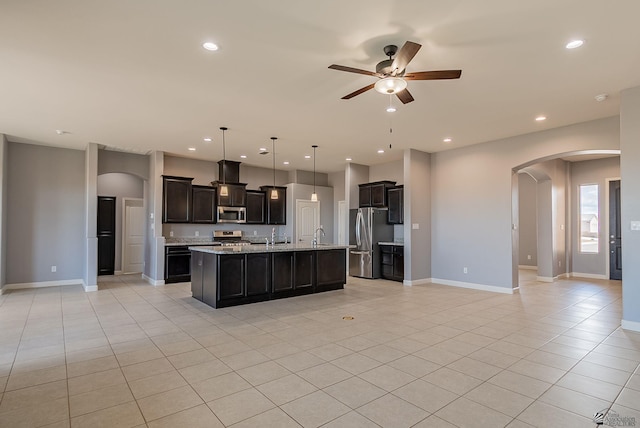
[{"x": 390, "y": 85}]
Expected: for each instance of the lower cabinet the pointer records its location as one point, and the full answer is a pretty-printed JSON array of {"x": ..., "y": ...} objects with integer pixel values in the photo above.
[
  {"x": 392, "y": 262},
  {"x": 221, "y": 280}
]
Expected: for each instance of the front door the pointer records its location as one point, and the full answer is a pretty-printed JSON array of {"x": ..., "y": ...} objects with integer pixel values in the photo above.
[
  {"x": 307, "y": 220},
  {"x": 615, "y": 231}
]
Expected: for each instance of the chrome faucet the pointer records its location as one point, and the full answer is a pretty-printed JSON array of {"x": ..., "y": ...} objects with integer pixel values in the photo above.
[{"x": 315, "y": 236}]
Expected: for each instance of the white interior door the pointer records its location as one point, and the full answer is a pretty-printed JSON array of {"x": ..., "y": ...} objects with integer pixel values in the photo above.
[
  {"x": 133, "y": 236},
  {"x": 307, "y": 220},
  {"x": 343, "y": 217}
]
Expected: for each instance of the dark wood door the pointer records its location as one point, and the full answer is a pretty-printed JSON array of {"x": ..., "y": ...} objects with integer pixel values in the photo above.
[
  {"x": 255, "y": 207},
  {"x": 364, "y": 195},
  {"x": 395, "y": 198},
  {"x": 106, "y": 232},
  {"x": 282, "y": 271},
  {"x": 615, "y": 231},
  {"x": 230, "y": 276},
  {"x": 303, "y": 271},
  {"x": 176, "y": 199},
  {"x": 203, "y": 204},
  {"x": 276, "y": 208},
  {"x": 258, "y": 273}
]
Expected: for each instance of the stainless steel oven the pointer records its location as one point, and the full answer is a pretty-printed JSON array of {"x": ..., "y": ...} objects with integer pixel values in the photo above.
[{"x": 232, "y": 215}]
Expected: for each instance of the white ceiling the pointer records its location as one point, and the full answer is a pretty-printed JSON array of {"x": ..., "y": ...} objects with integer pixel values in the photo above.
[{"x": 131, "y": 74}]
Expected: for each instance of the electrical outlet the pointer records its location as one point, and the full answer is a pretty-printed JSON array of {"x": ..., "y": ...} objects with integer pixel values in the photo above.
[
  {"x": 559, "y": 264},
  {"x": 255, "y": 233},
  {"x": 171, "y": 233},
  {"x": 415, "y": 226},
  {"x": 529, "y": 257},
  {"x": 465, "y": 270},
  {"x": 197, "y": 233},
  {"x": 54, "y": 268}
]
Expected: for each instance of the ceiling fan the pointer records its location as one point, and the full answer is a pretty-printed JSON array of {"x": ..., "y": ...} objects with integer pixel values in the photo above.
[{"x": 391, "y": 73}]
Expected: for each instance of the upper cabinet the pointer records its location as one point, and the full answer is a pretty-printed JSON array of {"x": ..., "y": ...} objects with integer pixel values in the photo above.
[
  {"x": 203, "y": 204},
  {"x": 236, "y": 195},
  {"x": 176, "y": 199},
  {"x": 255, "y": 207},
  {"x": 374, "y": 194},
  {"x": 395, "y": 200},
  {"x": 276, "y": 208}
]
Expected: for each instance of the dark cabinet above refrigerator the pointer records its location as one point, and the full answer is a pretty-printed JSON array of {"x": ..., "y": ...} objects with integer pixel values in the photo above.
[{"x": 374, "y": 194}]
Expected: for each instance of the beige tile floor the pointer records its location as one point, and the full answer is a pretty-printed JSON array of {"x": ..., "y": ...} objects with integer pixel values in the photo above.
[{"x": 135, "y": 355}]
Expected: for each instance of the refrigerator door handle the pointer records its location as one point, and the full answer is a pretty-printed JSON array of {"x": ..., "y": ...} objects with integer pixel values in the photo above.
[{"x": 358, "y": 220}]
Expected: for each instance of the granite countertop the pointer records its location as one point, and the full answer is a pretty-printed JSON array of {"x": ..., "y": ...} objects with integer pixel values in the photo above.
[
  {"x": 264, "y": 249},
  {"x": 397, "y": 244}
]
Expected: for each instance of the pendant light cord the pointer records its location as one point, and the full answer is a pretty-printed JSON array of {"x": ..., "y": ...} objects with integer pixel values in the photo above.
[
  {"x": 224, "y": 154},
  {"x": 273, "y": 149}
]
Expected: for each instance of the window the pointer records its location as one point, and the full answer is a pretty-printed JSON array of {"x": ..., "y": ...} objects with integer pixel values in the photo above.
[{"x": 589, "y": 218}]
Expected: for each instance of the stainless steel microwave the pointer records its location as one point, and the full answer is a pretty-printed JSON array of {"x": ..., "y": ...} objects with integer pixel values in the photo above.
[{"x": 232, "y": 215}]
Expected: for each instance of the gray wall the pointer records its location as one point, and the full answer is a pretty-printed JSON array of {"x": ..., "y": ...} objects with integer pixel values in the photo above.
[
  {"x": 472, "y": 198},
  {"x": 306, "y": 177},
  {"x": 527, "y": 209},
  {"x": 121, "y": 186},
  {"x": 417, "y": 212},
  {"x": 4, "y": 147},
  {"x": 392, "y": 171},
  {"x": 336, "y": 180},
  {"x": 630, "y": 173},
  {"x": 129, "y": 163},
  {"x": 45, "y": 214},
  {"x": 154, "y": 249},
  {"x": 591, "y": 172},
  {"x": 355, "y": 174}
]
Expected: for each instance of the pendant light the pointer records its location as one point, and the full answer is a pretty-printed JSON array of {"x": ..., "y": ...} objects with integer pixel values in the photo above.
[
  {"x": 274, "y": 191},
  {"x": 314, "y": 195},
  {"x": 224, "y": 190}
]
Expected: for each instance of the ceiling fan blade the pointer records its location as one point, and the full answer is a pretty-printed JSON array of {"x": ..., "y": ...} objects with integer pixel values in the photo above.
[
  {"x": 404, "y": 56},
  {"x": 358, "y": 92},
  {"x": 433, "y": 75},
  {"x": 352, "y": 70},
  {"x": 404, "y": 96}
]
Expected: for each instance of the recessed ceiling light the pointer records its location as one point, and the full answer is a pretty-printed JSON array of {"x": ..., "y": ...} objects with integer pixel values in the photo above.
[
  {"x": 380, "y": 151},
  {"x": 210, "y": 46},
  {"x": 286, "y": 162},
  {"x": 61, "y": 132},
  {"x": 348, "y": 159},
  {"x": 243, "y": 156},
  {"x": 192, "y": 149},
  {"x": 574, "y": 44},
  {"x": 207, "y": 139},
  {"x": 307, "y": 156},
  {"x": 447, "y": 140},
  {"x": 601, "y": 97},
  {"x": 541, "y": 118}
]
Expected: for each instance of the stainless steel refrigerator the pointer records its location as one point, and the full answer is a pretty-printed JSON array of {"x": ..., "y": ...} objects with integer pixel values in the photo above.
[{"x": 367, "y": 227}]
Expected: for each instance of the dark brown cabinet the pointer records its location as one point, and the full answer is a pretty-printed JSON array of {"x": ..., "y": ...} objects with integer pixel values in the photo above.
[
  {"x": 374, "y": 194},
  {"x": 255, "y": 207},
  {"x": 392, "y": 262},
  {"x": 258, "y": 274},
  {"x": 106, "y": 234},
  {"x": 203, "y": 204},
  {"x": 303, "y": 269},
  {"x": 395, "y": 201},
  {"x": 236, "y": 195},
  {"x": 177, "y": 264},
  {"x": 221, "y": 280},
  {"x": 176, "y": 199},
  {"x": 331, "y": 269},
  {"x": 276, "y": 208}
]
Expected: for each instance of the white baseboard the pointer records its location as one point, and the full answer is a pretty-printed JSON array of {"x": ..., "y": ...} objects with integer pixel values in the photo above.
[
  {"x": 409, "y": 282},
  {"x": 117, "y": 272},
  {"x": 588, "y": 275},
  {"x": 563, "y": 275},
  {"x": 88, "y": 288},
  {"x": 544, "y": 279},
  {"x": 631, "y": 325},
  {"x": 42, "y": 284},
  {"x": 474, "y": 286},
  {"x": 153, "y": 281},
  {"x": 527, "y": 267}
]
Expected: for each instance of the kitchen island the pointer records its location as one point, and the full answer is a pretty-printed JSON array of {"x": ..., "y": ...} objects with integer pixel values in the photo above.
[{"x": 229, "y": 276}]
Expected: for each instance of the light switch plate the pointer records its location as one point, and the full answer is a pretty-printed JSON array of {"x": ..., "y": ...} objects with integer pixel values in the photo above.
[
  {"x": 415, "y": 226},
  {"x": 635, "y": 225}
]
